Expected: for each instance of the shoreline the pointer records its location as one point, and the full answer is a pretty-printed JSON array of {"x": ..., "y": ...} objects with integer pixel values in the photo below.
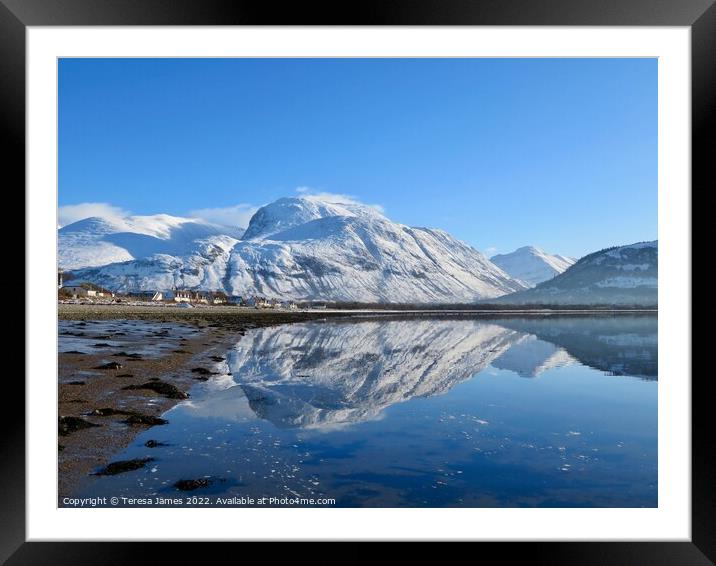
[
  {"x": 190, "y": 340},
  {"x": 238, "y": 316}
]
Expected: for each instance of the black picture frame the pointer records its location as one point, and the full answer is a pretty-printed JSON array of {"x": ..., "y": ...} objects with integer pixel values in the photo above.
[{"x": 699, "y": 15}]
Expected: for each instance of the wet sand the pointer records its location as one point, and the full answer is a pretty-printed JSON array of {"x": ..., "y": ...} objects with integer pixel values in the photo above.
[{"x": 151, "y": 344}]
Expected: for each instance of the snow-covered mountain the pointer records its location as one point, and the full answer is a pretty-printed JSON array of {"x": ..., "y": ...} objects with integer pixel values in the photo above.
[
  {"x": 96, "y": 241},
  {"x": 625, "y": 275},
  {"x": 531, "y": 265},
  {"x": 303, "y": 248}
]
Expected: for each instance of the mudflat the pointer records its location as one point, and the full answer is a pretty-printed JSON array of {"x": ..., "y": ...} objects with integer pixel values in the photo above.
[{"x": 121, "y": 367}]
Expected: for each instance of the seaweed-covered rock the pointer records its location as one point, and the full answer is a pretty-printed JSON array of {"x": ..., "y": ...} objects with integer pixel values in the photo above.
[
  {"x": 109, "y": 411},
  {"x": 154, "y": 443},
  {"x": 203, "y": 371},
  {"x": 161, "y": 387},
  {"x": 150, "y": 420},
  {"x": 68, "y": 425},
  {"x": 122, "y": 466},
  {"x": 190, "y": 485},
  {"x": 110, "y": 365}
]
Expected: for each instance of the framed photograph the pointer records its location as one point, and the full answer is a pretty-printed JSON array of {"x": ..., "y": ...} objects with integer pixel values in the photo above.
[{"x": 423, "y": 274}]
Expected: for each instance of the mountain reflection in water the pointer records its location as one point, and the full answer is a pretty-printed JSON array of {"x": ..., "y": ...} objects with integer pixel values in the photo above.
[
  {"x": 317, "y": 375},
  {"x": 542, "y": 411}
]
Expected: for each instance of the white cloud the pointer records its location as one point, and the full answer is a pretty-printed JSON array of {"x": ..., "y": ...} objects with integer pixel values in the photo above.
[
  {"x": 237, "y": 216},
  {"x": 74, "y": 212},
  {"x": 339, "y": 198},
  {"x": 492, "y": 250}
]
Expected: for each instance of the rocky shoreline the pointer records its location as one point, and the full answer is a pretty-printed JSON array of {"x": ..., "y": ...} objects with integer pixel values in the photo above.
[{"x": 120, "y": 368}]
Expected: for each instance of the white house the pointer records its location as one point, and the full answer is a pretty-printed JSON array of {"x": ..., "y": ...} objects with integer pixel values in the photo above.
[
  {"x": 179, "y": 296},
  {"x": 80, "y": 291}
]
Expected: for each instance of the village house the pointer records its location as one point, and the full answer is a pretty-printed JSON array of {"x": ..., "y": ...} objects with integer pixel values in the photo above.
[
  {"x": 201, "y": 297},
  {"x": 84, "y": 289},
  {"x": 178, "y": 296},
  {"x": 258, "y": 302},
  {"x": 79, "y": 291}
]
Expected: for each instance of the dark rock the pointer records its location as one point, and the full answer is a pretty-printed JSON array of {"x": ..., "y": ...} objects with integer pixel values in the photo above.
[
  {"x": 125, "y": 375},
  {"x": 75, "y": 383},
  {"x": 110, "y": 365},
  {"x": 122, "y": 466},
  {"x": 68, "y": 425},
  {"x": 203, "y": 371},
  {"x": 101, "y": 345},
  {"x": 181, "y": 352},
  {"x": 72, "y": 352},
  {"x": 161, "y": 387},
  {"x": 60, "y": 447},
  {"x": 218, "y": 358},
  {"x": 145, "y": 420},
  {"x": 154, "y": 444},
  {"x": 108, "y": 412},
  {"x": 190, "y": 485}
]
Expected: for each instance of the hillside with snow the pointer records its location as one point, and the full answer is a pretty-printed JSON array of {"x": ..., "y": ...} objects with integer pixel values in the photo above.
[
  {"x": 301, "y": 248},
  {"x": 96, "y": 241},
  {"x": 625, "y": 275},
  {"x": 531, "y": 265}
]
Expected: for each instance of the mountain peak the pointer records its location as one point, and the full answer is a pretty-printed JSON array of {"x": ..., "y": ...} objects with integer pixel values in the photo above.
[
  {"x": 289, "y": 212},
  {"x": 530, "y": 249},
  {"x": 531, "y": 264}
]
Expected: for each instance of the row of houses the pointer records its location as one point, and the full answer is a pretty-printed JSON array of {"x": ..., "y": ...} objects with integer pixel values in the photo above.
[
  {"x": 182, "y": 296},
  {"x": 80, "y": 290},
  {"x": 85, "y": 290},
  {"x": 214, "y": 298}
]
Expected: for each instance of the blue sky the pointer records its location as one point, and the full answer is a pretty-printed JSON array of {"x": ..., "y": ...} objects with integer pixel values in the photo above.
[{"x": 559, "y": 153}]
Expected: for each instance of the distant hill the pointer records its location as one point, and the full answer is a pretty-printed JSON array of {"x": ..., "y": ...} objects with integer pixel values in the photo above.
[
  {"x": 531, "y": 265},
  {"x": 625, "y": 275}
]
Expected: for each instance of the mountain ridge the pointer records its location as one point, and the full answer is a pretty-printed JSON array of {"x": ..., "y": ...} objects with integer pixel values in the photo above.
[
  {"x": 304, "y": 248},
  {"x": 620, "y": 275}
]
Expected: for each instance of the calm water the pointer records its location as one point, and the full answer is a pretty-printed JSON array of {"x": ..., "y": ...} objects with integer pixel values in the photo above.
[{"x": 548, "y": 412}]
